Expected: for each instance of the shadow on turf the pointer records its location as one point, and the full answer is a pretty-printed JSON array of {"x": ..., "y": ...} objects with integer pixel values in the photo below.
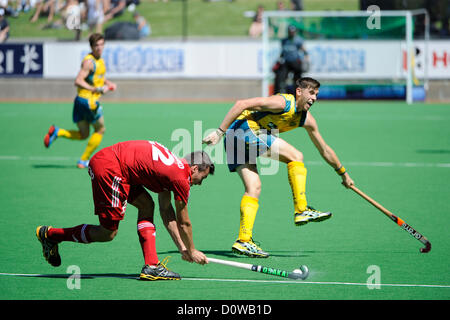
[
  {"x": 433, "y": 151},
  {"x": 54, "y": 166},
  {"x": 296, "y": 254},
  {"x": 82, "y": 276},
  {"x": 230, "y": 254}
]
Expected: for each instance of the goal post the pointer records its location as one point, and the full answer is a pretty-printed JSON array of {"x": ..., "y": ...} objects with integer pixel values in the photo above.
[{"x": 374, "y": 53}]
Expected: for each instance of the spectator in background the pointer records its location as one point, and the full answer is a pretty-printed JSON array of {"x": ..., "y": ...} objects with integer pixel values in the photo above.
[
  {"x": 4, "y": 26},
  {"x": 8, "y": 9},
  {"x": 71, "y": 16},
  {"x": 95, "y": 14},
  {"x": 116, "y": 8},
  {"x": 25, "y": 5},
  {"x": 256, "y": 28},
  {"x": 142, "y": 25},
  {"x": 4, "y": 5},
  {"x": 297, "y": 5},
  {"x": 46, "y": 7},
  {"x": 280, "y": 25},
  {"x": 132, "y": 4},
  {"x": 280, "y": 6}
]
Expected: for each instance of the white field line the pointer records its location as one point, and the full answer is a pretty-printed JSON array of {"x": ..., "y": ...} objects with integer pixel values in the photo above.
[
  {"x": 234, "y": 280},
  {"x": 309, "y": 163},
  {"x": 322, "y": 283}
]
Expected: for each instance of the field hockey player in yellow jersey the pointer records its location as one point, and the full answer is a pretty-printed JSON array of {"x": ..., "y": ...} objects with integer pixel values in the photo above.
[
  {"x": 249, "y": 128},
  {"x": 91, "y": 85}
]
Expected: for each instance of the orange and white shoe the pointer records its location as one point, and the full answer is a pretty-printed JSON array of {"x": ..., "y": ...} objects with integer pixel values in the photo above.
[
  {"x": 51, "y": 136},
  {"x": 82, "y": 164}
]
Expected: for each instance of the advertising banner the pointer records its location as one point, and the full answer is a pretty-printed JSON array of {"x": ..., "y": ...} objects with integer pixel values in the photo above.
[
  {"x": 437, "y": 60},
  {"x": 21, "y": 60},
  {"x": 136, "y": 60},
  {"x": 337, "y": 59}
]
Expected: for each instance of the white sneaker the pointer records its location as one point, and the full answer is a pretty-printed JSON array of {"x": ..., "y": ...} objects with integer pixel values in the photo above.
[{"x": 310, "y": 214}]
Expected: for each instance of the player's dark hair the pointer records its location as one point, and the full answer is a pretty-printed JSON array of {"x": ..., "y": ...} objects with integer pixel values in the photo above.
[
  {"x": 307, "y": 82},
  {"x": 94, "y": 38},
  {"x": 200, "y": 159}
]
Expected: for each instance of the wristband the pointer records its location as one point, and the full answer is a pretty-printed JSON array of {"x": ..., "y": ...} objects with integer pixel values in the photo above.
[
  {"x": 220, "y": 132},
  {"x": 340, "y": 171},
  {"x": 99, "y": 90}
]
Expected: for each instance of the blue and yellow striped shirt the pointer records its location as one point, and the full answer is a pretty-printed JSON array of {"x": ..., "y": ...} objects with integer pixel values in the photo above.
[
  {"x": 283, "y": 121},
  {"x": 95, "y": 78}
]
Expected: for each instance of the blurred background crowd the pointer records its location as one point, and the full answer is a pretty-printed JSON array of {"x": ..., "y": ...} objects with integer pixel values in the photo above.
[
  {"x": 78, "y": 15},
  {"x": 104, "y": 16}
]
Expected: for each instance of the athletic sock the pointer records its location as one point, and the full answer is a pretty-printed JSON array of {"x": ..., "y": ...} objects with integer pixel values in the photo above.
[
  {"x": 147, "y": 238},
  {"x": 93, "y": 143},
  {"x": 76, "y": 234},
  {"x": 297, "y": 180},
  {"x": 249, "y": 207},
  {"x": 69, "y": 134}
]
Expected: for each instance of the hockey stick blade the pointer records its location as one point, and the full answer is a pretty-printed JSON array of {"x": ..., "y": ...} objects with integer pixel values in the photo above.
[{"x": 299, "y": 275}]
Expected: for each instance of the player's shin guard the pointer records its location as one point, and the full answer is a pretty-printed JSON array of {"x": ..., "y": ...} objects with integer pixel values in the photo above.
[
  {"x": 297, "y": 180},
  {"x": 93, "y": 143},
  {"x": 249, "y": 207},
  {"x": 147, "y": 238},
  {"x": 79, "y": 233}
]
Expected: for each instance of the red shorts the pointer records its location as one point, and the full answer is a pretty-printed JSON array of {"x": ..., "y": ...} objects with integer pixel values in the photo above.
[{"x": 110, "y": 190}]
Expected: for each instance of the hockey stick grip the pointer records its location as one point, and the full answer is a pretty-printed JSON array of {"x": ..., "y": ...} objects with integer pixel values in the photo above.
[
  {"x": 372, "y": 202},
  {"x": 231, "y": 263}
]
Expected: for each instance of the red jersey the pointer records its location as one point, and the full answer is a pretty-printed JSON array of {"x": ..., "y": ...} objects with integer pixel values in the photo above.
[
  {"x": 153, "y": 166},
  {"x": 120, "y": 172}
]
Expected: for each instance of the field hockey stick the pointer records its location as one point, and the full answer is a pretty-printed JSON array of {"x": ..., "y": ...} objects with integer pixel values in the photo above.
[
  {"x": 301, "y": 273},
  {"x": 397, "y": 220}
]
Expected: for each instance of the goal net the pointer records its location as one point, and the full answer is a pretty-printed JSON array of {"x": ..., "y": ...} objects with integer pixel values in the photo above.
[{"x": 354, "y": 54}]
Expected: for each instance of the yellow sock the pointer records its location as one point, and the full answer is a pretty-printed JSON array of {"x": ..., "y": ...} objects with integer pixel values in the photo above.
[
  {"x": 297, "y": 180},
  {"x": 93, "y": 143},
  {"x": 249, "y": 207},
  {"x": 69, "y": 134}
]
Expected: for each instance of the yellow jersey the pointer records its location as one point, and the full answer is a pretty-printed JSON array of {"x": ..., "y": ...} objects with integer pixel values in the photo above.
[
  {"x": 283, "y": 121},
  {"x": 95, "y": 78}
]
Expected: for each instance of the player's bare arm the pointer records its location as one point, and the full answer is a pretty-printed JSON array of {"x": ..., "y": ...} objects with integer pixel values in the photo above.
[
  {"x": 170, "y": 222},
  {"x": 267, "y": 104},
  {"x": 324, "y": 149},
  {"x": 185, "y": 229},
  {"x": 86, "y": 67}
]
